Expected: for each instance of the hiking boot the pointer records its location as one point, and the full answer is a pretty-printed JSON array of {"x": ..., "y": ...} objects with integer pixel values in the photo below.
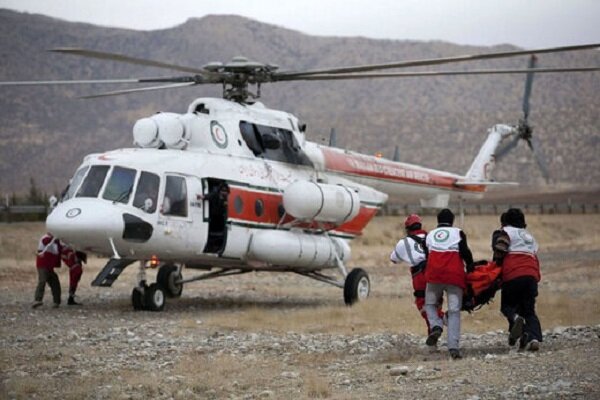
[
  {"x": 533, "y": 345},
  {"x": 36, "y": 304},
  {"x": 433, "y": 337},
  {"x": 516, "y": 331},
  {"x": 523, "y": 341},
  {"x": 455, "y": 354},
  {"x": 72, "y": 301}
]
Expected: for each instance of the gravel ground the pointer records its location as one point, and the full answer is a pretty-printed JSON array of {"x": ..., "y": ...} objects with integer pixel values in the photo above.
[
  {"x": 103, "y": 350},
  {"x": 281, "y": 336}
]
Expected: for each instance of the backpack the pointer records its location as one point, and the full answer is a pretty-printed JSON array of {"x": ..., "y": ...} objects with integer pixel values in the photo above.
[
  {"x": 482, "y": 284},
  {"x": 420, "y": 267}
]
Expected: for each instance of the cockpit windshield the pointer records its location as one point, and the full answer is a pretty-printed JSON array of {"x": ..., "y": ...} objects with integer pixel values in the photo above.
[
  {"x": 88, "y": 182},
  {"x": 93, "y": 181},
  {"x": 120, "y": 185},
  {"x": 74, "y": 184}
]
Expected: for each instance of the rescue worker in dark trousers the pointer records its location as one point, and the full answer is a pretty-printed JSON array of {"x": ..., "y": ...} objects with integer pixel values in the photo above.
[
  {"x": 520, "y": 277},
  {"x": 48, "y": 258},
  {"x": 448, "y": 254},
  {"x": 73, "y": 259},
  {"x": 411, "y": 251}
]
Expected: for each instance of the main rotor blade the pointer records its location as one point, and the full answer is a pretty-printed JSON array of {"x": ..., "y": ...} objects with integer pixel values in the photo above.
[
  {"x": 324, "y": 77},
  {"x": 127, "y": 59},
  {"x": 179, "y": 79},
  {"x": 437, "y": 61},
  {"x": 89, "y": 81},
  {"x": 144, "y": 89},
  {"x": 528, "y": 85}
]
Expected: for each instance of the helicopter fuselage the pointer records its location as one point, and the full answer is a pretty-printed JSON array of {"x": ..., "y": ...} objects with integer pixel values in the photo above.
[{"x": 233, "y": 186}]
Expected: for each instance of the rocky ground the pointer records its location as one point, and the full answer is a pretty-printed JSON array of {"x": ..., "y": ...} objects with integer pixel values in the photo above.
[
  {"x": 282, "y": 336},
  {"x": 104, "y": 350}
]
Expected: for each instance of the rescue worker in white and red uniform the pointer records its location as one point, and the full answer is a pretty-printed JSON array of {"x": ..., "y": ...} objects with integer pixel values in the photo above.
[
  {"x": 411, "y": 251},
  {"x": 48, "y": 258},
  {"x": 448, "y": 254},
  {"x": 73, "y": 260},
  {"x": 520, "y": 277}
]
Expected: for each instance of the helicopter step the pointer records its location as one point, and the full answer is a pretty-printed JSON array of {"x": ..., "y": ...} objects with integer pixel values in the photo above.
[{"x": 111, "y": 272}]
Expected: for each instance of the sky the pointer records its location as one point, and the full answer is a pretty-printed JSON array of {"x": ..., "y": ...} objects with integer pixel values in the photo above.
[{"x": 526, "y": 23}]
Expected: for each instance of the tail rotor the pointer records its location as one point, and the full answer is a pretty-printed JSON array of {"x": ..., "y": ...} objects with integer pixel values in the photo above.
[{"x": 524, "y": 131}]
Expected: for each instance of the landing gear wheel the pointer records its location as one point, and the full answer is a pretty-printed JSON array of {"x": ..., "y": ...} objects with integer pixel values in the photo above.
[
  {"x": 154, "y": 298},
  {"x": 137, "y": 298},
  {"x": 357, "y": 286},
  {"x": 167, "y": 276}
]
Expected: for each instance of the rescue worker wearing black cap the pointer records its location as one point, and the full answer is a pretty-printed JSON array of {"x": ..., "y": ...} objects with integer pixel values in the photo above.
[
  {"x": 445, "y": 272},
  {"x": 411, "y": 251},
  {"x": 520, "y": 277}
]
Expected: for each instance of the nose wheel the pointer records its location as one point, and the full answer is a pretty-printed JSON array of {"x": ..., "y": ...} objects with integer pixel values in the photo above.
[{"x": 150, "y": 298}]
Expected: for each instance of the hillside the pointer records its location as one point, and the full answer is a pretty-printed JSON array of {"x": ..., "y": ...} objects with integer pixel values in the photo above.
[{"x": 438, "y": 122}]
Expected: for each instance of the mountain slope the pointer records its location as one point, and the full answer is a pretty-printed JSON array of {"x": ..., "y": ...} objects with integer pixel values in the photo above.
[{"x": 437, "y": 122}]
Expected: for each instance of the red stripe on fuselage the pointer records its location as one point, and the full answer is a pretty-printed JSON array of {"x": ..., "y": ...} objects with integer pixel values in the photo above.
[
  {"x": 371, "y": 167},
  {"x": 271, "y": 204}
]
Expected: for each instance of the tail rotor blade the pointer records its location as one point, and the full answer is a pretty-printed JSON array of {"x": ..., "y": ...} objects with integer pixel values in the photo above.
[
  {"x": 528, "y": 85},
  {"x": 540, "y": 158},
  {"x": 508, "y": 147}
]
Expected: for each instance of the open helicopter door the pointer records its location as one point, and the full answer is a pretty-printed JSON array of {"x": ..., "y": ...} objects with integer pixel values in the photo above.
[
  {"x": 184, "y": 230},
  {"x": 215, "y": 213}
]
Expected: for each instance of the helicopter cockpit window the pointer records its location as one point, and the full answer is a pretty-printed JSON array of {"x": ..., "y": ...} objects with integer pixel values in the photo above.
[
  {"x": 74, "y": 184},
  {"x": 251, "y": 137},
  {"x": 93, "y": 181},
  {"x": 146, "y": 192},
  {"x": 120, "y": 185},
  {"x": 273, "y": 143},
  {"x": 175, "y": 200}
]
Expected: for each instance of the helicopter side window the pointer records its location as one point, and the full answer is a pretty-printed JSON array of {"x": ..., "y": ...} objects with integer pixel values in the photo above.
[
  {"x": 286, "y": 150},
  {"x": 175, "y": 200},
  {"x": 93, "y": 181},
  {"x": 74, "y": 184},
  {"x": 251, "y": 137},
  {"x": 146, "y": 192},
  {"x": 120, "y": 185}
]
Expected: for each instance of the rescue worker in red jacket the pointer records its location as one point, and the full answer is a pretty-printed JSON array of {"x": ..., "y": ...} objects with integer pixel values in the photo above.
[
  {"x": 448, "y": 254},
  {"x": 48, "y": 258},
  {"x": 520, "y": 277},
  {"x": 411, "y": 251},
  {"x": 73, "y": 259}
]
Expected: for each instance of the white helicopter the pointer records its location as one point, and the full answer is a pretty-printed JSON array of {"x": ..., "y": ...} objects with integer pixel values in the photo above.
[{"x": 231, "y": 186}]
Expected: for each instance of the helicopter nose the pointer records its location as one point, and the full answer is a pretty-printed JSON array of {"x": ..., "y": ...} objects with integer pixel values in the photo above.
[{"x": 86, "y": 223}]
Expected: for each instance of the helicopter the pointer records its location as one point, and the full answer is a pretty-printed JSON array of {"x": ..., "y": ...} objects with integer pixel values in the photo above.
[{"x": 231, "y": 186}]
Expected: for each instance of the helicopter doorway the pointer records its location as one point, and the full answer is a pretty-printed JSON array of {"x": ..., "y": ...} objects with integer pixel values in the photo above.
[{"x": 215, "y": 213}]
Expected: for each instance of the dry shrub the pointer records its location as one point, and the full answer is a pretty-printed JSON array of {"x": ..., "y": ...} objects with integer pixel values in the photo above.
[{"x": 316, "y": 387}]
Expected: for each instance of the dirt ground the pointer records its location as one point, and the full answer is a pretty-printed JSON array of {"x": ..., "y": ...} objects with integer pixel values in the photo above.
[{"x": 269, "y": 335}]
